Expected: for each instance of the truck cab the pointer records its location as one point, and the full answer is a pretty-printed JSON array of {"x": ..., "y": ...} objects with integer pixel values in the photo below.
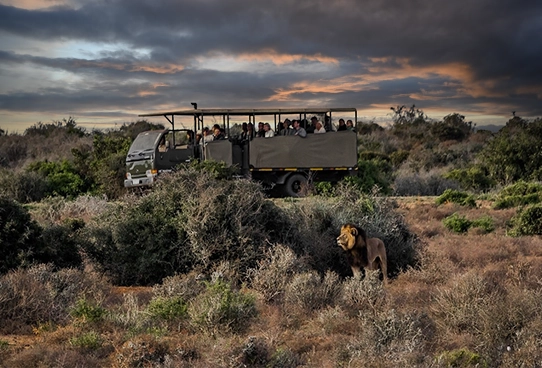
[{"x": 157, "y": 151}]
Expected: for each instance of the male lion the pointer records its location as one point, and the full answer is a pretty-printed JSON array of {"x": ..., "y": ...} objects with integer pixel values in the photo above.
[{"x": 363, "y": 252}]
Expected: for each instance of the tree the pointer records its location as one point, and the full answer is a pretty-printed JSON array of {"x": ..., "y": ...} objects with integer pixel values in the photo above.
[
  {"x": 452, "y": 127},
  {"x": 515, "y": 152}
]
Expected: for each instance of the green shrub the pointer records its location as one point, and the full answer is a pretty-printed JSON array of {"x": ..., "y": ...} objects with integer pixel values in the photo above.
[
  {"x": 528, "y": 221},
  {"x": 167, "y": 308},
  {"x": 88, "y": 340},
  {"x": 87, "y": 312},
  {"x": 221, "y": 308},
  {"x": 457, "y": 223},
  {"x": 486, "y": 223},
  {"x": 519, "y": 194},
  {"x": 62, "y": 178},
  {"x": 460, "y": 358},
  {"x": 473, "y": 178},
  {"x": 456, "y": 196},
  {"x": 370, "y": 173}
]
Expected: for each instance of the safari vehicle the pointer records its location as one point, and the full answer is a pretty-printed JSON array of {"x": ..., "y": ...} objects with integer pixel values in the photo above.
[{"x": 286, "y": 162}]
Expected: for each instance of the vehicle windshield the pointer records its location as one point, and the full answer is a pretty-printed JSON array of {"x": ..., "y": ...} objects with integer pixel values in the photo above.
[{"x": 145, "y": 141}]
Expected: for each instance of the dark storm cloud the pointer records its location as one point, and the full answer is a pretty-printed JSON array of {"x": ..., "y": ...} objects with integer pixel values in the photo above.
[{"x": 498, "y": 41}]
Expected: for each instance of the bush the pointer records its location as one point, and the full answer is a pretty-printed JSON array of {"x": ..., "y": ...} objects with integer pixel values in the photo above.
[
  {"x": 528, "y": 221},
  {"x": 473, "y": 178},
  {"x": 309, "y": 291},
  {"x": 41, "y": 295},
  {"x": 374, "y": 172},
  {"x": 88, "y": 340},
  {"x": 61, "y": 177},
  {"x": 460, "y": 358},
  {"x": 221, "y": 308},
  {"x": 430, "y": 183},
  {"x": 519, "y": 194},
  {"x": 19, "y": 236},
  {"x": 23, "y": 186},
  {"x": 87, "y": 311},
  {"x": 167, "y": 308},
  {"x": 182, "y": 225},
  {"x": 457, "y": 223},
  {"x": 485, "y": 223},
  {"x": 274, "y": 272},
  {"x": 455, "y": 196}
]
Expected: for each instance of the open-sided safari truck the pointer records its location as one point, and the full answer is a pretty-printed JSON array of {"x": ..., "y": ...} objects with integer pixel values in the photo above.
[{"x": 285, "y": 161}]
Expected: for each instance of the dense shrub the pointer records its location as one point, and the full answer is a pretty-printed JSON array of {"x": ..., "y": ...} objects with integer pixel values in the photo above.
[
  {"x": 514, "y": 152},
  {"x": 528, "y": 221},
  {"x": 318, "y": 221},
  {"x": 430, "y": 183},
  {"x": 309, "y": 291},
  {"x": 520, "y": 193},
  {"x": 473, "y": 178},
  {"x": 23, "y": 186},
  {"x": 40, "y": 295},
  {"x": 455, "y": 196},
  {"x": 190, "y": 220},
  {"x": 274, "y": 272},
  {"x": 61, "y": 177},
  {"x": 371, "y": 173},
  {"x": 19, "y": 236},
  {"x": 221, "y": 308},
  {"x": 461, "y": 224}
]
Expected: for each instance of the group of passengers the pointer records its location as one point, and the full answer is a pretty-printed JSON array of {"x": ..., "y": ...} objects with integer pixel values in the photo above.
[
  {"x": 301, "y": 127},
  {"x": 288, "y": 127}
]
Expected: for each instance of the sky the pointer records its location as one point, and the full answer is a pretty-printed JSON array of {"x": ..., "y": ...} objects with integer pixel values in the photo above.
[{"x": 103, "y": 62}]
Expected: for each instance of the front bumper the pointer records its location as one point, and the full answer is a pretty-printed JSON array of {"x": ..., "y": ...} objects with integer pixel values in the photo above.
[{"x": 139, "y": 182}]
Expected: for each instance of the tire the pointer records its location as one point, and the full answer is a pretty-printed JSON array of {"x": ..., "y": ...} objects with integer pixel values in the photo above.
[{"x": 295, "y": 185}]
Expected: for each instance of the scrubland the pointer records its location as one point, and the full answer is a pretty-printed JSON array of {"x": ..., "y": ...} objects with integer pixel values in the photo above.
[{"x": 260, "y": 282}]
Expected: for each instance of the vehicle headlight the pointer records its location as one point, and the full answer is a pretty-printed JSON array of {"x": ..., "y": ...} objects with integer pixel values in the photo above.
[
  {"x": 151, "y": 173},
  {"x": 128, "y": 176}
]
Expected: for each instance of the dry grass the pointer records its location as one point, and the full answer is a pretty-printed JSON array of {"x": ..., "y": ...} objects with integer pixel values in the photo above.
[{"x": 472, "y": 295}]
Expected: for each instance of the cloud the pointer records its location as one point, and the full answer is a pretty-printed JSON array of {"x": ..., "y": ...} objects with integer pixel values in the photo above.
[{"x": 133, "y": 55}]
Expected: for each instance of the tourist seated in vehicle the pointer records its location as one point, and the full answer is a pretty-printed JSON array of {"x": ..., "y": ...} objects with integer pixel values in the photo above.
[
  {"x": 319, "y": 128},
  {"x": 342, "y": 125},
  {"x": 190, "y": 137},
  {"x": 269, "y": 133},
  {"x": 286, "y": 128},
  {"x": 311, "y": 125},
  {"x": 327, "y": 124},
  {"x": 261, "y": 132},
  {"x": 218, "y": 134},
  {"x": 207, "y": 136},
  {"x": 244, "y": 132},
  {"x": 250, "y": 131},
  {"x": 349, "y": 125},
  {"x": 298, "y": 130}
]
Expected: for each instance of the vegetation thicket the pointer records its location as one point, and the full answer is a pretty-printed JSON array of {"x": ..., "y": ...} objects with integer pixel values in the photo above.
[{"x": 207, "y": 270}]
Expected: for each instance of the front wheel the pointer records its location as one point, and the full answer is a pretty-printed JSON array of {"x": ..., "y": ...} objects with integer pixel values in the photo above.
[{"x": 296, "y": 186}]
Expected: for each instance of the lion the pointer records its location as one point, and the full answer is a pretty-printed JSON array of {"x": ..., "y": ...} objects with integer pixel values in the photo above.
[{"x": 363, "y": 252}]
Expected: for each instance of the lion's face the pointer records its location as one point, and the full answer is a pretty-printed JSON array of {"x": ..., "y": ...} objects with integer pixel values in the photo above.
[{"x": 347, "y": 239}]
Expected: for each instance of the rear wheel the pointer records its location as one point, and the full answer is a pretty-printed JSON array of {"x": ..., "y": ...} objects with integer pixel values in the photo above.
[{"x": 296, "y": 185}]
